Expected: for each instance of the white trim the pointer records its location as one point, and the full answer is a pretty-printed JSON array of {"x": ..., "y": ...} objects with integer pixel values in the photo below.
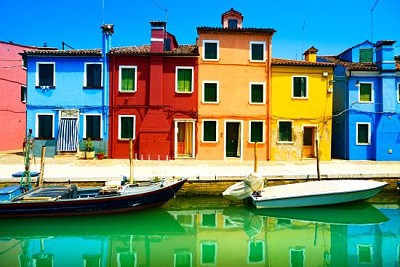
[
  {"x": 84, "y": 123},
  {"x": 356, "y": 73},
  {"x": 202, "y": 131},
  {"x": 183, "y": 252},
  {"x": 264, "y": 51},
  {"x": 249, "y": 243},
  {"x": 157, "y": 39},
  {"x": 85, "y": 73},
  {"x": 369, "y": 133},
  {"x": 250, "y": 93},
  {"x": 204, "y": 50},
  {"x": 176, "y": 79},
  {"x": 203, "y": 93},
  {"x": 398, "y": 92},
  {"x": 37, "y": 72},
  {"x": 241, "y": 138},
  {"x": 370, "y": 250},
  {"x": 120, "y": 77},
  {"x": 307, "y": 91},
  {"x": 263, "y": 131},
  {"x": 372, "y": 92},
  {"x": 209, "y": 243},
  {"x": 297, "y": 249},
  {"x": 37, "y": 123},
  {"x": 285, "y": 142},
  {"x": 119, "y": 126}
]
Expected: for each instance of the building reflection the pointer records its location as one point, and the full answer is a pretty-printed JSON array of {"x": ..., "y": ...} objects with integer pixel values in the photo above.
[{"x": 234, "y": 236}]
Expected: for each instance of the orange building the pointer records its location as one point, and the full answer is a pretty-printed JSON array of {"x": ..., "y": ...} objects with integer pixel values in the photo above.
[{"x": 234, "y": 75}]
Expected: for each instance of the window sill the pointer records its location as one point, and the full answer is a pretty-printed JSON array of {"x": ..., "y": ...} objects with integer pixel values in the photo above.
[
  {"x": 127, "y": 92},
  {"x": 285, "y": 142},
  {"x": 210, "y": 103},
  {"x": 42, "y": 138},
  {"x": 45, "y": 87},
  {"x": 183, "y": 92},
  {"x": 87, "y": 87}
]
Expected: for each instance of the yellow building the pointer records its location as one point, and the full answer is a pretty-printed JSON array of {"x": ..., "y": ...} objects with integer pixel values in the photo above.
[
  {"x": 301, "y": 108},
  {"x": 234, "y": 85}
]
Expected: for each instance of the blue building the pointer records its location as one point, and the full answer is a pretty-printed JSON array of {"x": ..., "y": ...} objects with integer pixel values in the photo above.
[
  {"x": 366, "y": 103},
  {"x": 67, "y": 97}
]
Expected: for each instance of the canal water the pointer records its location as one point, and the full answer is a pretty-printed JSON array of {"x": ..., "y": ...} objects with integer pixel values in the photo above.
[{"x": 210, "y": 231}]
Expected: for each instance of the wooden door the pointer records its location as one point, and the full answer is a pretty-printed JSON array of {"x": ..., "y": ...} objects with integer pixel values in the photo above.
[{"x": 308, "y": 142}]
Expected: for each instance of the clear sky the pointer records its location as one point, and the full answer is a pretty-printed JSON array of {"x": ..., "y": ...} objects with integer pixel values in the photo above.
[{"x": 330, "y": 26}]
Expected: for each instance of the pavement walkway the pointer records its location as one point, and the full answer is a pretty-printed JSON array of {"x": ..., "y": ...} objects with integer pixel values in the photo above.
[{"x": 61, "y": 169}]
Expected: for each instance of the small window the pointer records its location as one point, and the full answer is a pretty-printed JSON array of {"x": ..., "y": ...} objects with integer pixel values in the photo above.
[
  {"x": 209, "y": 131},
  {"x": 211, "y": 50},
  {"x": 208, "y": 253},
  {"x": 126, "y": 127},
  {"x": 44, "y": 126},
  {"x": 256, "y": 251},
  {"x": 256, "y": 131},
  {"x": 363, "y": 134},
  {"x": 365, "y": 254},
  {"x": 45, "y": 75},
  {"x": 23, "y": 94},
  {"x": 365, "y": 92},
  {"x": 366, "y": 55},
  {"x": 210, "y": 92},
  {"x": 184, "y": 80},
  {"x": 300, "y": 87},
  {"x": 297, "y": 257},
  {"x": 232, "y": 23},
  {"x": 257, "y": 51},
  {"x": 257, "y": 93},
  {"x": 285, "y": 133},
  {"x": 183, "y": 258},
  {"x": 93, "y": 126},
  {"x": 398, "y": 93},
  {"x": 127, "y": 78},
  {"x": 208, "y": 220},
  {"x": 93, "y": 75}
]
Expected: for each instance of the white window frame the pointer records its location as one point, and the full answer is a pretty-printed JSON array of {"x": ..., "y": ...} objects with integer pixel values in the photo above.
[
  {"x": 37, "y": 123},
  {"x": 398, "y": 92},
  {"x": 307, "y": 91},
  {"x": 216, "y": 131},
  {"x": 369, "y": 133},
  {"x": 300, "y": 249},
  {"x": 371, "y": 253},
  {"x": 183, "y": 252},
  {"x": 37, "y": 72},
  {"x": 120, "y": 77},
  {"x": 119, "y": 126},
  {"x": 84, "y": 123},
  {"x": 204, "y": 50},
  {"x": 285, "y": 142},
  {"x": 250, "y": 93},
  {"x": 203, "y": 95},
  {"x": 248, "y": 251},
  {"x": 372, "y": 92},
  {"x": 264, "y": 52},
  {"x": 263, "y": 131},
  {"x": 176, "y": 79},
  {"x": 85, "y": 73}
]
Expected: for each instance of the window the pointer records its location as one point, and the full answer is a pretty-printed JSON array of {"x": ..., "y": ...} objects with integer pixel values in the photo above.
[
  {"x": 93, "y": 75},
  {"x": 44, "y": 128},
  {"x": 285, "y": 131},
  {"x": 398, "y": 93},
  {"x": 208, "y": 253},
  {"x": 363, "y": 134},
  {"x": 257, "y": 51},
  {"x": 256, "y": 251},
  {"x": 208, "y": 220},
  {"x": 210, "y": 92},
  {"x": 257, "y": 93},
  {"x": 93, "y": 126},
  {"x": 184, "y": 80},
  {"x": 365, "y": 254},
  {"x": 297, "y": 257},
  {"x": 211, "y": 50},
  {"x": 366, "y": 55},
  {"x": 232, "y": 23},
  {"x": 127, "y": 78},
  {"x": 209, "y": 131},
  {"x": 23, "y": 94},
  {"x": 126, "y": 127},
  {"x": 365, "y": 92},
  {"x": 300, "y": 87},
  {"x": 45, "y": 75},
  {"x": 256, "y": 131},
  {"x": 183, "y": 259}
]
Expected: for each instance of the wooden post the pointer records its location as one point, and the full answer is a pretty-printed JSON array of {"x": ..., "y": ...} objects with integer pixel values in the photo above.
[
  {"x": 42, "y": 158},
  {"x": 130, "y": 161},
  {"x": 316, "y": 144},
  {"x": 255, "y": 158}
]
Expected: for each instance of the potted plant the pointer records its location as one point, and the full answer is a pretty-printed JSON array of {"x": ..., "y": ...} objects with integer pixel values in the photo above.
[
  {"x": 89, "y": 148},
  {"x": 100, "y": 153},
  {"x": 81, "y": 150}
]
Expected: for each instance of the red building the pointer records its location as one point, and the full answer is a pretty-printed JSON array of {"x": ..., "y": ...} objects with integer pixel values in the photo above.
[
  {"x": 12, "y": 96},
  {"x": 153, "y": 98}
]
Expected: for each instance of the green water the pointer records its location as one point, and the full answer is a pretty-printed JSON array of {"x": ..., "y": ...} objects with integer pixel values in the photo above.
[{"x": 209, "y": 231}]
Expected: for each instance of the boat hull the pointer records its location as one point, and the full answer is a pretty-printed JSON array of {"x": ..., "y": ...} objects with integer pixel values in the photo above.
[
  {"x": 317, "y": 193},
  {"x": 92, "y": 205}
]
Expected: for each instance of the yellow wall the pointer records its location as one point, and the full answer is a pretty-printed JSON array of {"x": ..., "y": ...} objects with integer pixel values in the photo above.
[
  {"x": 234, "y": 72},
  {"x": 316, "y": 110}
]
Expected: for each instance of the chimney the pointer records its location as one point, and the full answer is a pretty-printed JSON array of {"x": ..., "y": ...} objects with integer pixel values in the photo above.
[
  {"x": 311, "y": 54},
  {"x": 385, "y": 55},
  {"x": 232, "y": 19},
  {"x": 108, "y": 30},
  {"x": 158, "y": 31}
]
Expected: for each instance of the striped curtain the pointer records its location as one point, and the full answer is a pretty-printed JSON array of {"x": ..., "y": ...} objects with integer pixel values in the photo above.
[{"x": 67, "y": 139}]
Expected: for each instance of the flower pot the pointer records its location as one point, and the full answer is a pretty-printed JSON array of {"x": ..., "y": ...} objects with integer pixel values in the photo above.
[
  {"x": 100, "y": 156},
  {"x": 90, "y": 155}
]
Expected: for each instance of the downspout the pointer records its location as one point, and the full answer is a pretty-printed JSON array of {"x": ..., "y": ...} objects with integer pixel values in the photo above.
[{"x": 269, "y": 102}]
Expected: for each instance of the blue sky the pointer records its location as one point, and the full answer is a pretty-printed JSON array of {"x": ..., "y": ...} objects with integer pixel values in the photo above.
[{"x": 330, "y": 26}]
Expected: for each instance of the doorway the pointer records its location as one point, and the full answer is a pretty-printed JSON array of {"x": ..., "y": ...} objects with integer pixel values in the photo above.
[
  {"x": 233, "y": 140},
  {"x": 184, "y": 139},
  {"x": 308, "y": 142}
]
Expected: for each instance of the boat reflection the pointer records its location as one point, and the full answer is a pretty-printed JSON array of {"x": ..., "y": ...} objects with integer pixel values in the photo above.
[{"x": 218, "y": 236}]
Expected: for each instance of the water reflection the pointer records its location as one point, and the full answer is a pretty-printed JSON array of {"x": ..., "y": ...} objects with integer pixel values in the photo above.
[{"x": 351, "y": 235}]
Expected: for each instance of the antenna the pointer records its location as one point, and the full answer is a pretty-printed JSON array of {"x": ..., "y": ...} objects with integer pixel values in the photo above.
[
  {"x": 163, "y": 8},
  {"x": 102, "y": 12},
  {"x": 302, "y": 39},
  {"x": 372, "y": 25}
]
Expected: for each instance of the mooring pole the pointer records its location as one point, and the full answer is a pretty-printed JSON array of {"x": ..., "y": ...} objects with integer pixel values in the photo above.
[
  {"x": 130, "y": 161},
  {"x": 255, "y": 158},
  {"x": 316, "y": 144},
  {"x": 42, "y": 158}
]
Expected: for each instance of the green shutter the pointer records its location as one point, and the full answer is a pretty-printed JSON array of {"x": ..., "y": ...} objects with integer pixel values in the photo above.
[
  {"x": 257, "y": 52},
  {"x": 256, "y": 131},
  {"x": 210, "y": 50},
  {"x": 366, "y": 55},
  {"x": 184, "y": 80},
  {"x": 285, "y": 131},
  {"x": 46, "y": 74},
  {"x": 299, "y": 87},
  {"x": 365, "y": 92},
  {"x": 210, "y": 92},
  {"x": 209, "y": 131},
  {"x": 257, "y": 93},
  {"x": 362, "y": 137},
  {"x": 128, "y": 79},
  {"x": 126, "y": 127},
  {"x": 93, "y": 126}
]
